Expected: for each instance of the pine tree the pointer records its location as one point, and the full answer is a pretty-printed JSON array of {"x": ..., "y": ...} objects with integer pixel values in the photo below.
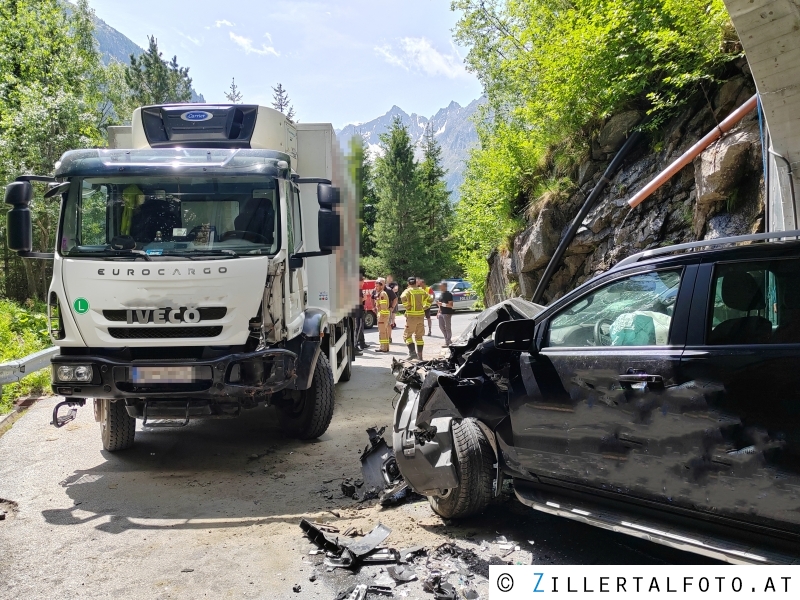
[
  {"x": 152, "y": 80},
  {"x": 436, "y": 207},
  {"x": 399, "y": 225},
  {"x": 281, "y": 102},
  {"x": 233, "y": 95}
]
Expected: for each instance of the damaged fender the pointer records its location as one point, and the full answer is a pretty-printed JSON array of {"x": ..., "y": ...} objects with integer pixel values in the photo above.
[{"x": 424, "y": 457}]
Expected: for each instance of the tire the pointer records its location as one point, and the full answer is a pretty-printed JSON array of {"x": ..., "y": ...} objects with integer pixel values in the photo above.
[
  {"x": 306, "y": 415},
  {"x": 347, "y": 372},
  {"x": 474, "y": 464},
  {"x": 369, "y": 320},
  {"x": 117, "y": 427}
]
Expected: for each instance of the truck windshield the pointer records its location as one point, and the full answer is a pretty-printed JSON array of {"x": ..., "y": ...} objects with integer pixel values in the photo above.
[{"x": 174, "y": 215}]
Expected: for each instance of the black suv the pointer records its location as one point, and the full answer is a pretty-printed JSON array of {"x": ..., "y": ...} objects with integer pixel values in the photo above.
[{"x": 661, "y": 399}]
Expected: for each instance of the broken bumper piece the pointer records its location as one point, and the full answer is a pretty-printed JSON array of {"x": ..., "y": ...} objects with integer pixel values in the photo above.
[{"x": 424, "y": 456}]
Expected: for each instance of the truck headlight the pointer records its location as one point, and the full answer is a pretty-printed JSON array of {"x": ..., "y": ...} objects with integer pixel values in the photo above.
[{"x": 81, "y": 373}]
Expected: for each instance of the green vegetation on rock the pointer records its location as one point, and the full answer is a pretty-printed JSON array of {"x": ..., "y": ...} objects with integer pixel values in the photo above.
[{"x": 553, "y": 71}]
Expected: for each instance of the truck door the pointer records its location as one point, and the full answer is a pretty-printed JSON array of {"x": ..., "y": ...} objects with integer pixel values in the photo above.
[
  {"x": 296, "y": 284},
  {"x": 598, "y": 394},
  {"x": 742, "y": 359}
]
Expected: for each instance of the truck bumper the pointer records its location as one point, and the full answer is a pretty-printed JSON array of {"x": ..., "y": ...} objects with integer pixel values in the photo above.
[{"x": 227, "y": 378}]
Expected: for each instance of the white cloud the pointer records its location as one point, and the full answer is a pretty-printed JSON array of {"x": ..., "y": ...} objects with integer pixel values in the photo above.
[
  {"x": 223, "y": 22},
  {"x": 268, "y": 36},
  {"x": 420, "y": 55},
  {"x": 246, "y": 44},
  {"x": 195, "y": 41},
  {"x": 390, "y": 57}
]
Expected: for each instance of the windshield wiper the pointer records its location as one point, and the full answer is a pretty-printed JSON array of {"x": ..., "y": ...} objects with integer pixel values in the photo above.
[
  {"x": 110, "y": 253},
  {"x": 195, "y": 254}
]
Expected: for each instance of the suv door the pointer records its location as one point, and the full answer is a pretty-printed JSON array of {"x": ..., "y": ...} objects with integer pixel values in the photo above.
[
  {"x": 599, "y": 391},
  {"x": 743, "y": 361}
]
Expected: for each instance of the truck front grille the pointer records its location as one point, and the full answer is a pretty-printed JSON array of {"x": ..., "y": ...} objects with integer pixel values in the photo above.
[
  {"x": 209, "y": 313},
  {"x": 139, "y": 333}
]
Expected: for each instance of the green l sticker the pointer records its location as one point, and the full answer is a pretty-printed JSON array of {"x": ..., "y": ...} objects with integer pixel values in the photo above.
[{"x": 81, "y": 305}]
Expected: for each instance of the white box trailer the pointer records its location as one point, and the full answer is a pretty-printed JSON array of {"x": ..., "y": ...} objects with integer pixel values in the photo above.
[{"x": 206, "y": 263}]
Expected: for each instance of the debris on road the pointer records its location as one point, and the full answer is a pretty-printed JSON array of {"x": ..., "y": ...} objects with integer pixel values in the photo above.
[
  {"x": 370, "y": 541},
  {"x": 402, "y": 574},
  {"x": 382, "y": 478},
  {"x": 296, "y": 588}
]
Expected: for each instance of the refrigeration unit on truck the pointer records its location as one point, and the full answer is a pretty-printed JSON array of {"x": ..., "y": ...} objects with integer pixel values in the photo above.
[{"x": 207, "y": 267}]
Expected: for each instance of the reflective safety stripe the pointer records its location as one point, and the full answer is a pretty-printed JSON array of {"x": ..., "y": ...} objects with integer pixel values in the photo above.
[{"x": 415, "y": 301}]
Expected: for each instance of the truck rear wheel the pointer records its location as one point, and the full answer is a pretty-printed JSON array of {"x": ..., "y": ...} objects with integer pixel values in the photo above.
[
  {"x": 306, "y": 414},
  {"x": 474, "y": 464},
  {"x": 117, "y": 427},
  {"x": 369, "y": 319}
]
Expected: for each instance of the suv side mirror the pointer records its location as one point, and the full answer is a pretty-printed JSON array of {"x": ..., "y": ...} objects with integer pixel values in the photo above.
[
  {"x": 515, "y": 335},
  {"x": 19, "y": 224}
]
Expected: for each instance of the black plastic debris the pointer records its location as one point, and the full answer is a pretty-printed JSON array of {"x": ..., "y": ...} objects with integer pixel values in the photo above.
[
  {"x": 296, "y": 588},
  {"x": 433, "y": 584},
  {"x": 369, "y": 542},
  {"x": 320, "y": 538},
  {"x": 402, "y": 574},
  {"x": 343, "y": 560},
  {"x": 381, "y": 590},
  {"x": 382, "y": 555},
  {"x": 408, "y": 554},
  {"x": 382, "y": 478},
  {"x": 348, "y": 488}
]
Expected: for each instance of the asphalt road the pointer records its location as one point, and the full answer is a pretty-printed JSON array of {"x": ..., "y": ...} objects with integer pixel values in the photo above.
[{"x": 212, "y": 509}]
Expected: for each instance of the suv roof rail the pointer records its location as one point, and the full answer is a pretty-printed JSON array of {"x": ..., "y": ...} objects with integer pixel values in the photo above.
[{"x": 753, "y": 237}]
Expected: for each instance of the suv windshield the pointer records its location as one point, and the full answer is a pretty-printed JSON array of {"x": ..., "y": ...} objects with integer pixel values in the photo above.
[{"x": 171, "y": 215}]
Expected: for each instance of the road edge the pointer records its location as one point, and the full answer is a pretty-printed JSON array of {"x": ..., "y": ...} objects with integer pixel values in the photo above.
[{"x": 7, "y": 420}]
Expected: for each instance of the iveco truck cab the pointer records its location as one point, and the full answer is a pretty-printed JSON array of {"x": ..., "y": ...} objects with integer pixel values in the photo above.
[{"x": 206, "y": 267}]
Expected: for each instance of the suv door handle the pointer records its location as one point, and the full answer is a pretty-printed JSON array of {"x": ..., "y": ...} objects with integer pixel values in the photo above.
[{"x": 639, "y": 377}]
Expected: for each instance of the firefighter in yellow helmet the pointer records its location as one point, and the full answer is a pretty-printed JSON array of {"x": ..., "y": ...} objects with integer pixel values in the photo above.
[
  {"x": 382, "y": 306},
  {"x": 415, "y": 300}
]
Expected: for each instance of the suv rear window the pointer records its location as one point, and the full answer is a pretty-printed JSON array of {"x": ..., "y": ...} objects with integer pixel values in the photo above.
[{"x": 755, "y": 302}]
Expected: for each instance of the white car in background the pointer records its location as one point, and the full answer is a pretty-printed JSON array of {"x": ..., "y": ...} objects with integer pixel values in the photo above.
[{"x": 464, "y": 296}]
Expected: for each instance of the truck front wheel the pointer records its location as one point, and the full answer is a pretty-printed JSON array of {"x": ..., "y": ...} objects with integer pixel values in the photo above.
[
  {"x": 117, "y": 427},
  {"x": 306, "y": 414}
]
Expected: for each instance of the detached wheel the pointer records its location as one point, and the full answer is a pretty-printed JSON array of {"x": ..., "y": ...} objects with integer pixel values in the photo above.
[
  {"x": 369, "y": 320},
  {"x": 306, "y": 414},
  {"x": 117, "y": 427},
  {"x": 474, "y": 464}
]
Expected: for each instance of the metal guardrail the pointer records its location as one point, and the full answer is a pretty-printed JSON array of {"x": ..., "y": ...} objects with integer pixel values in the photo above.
[{"x": 15, "y": 370}]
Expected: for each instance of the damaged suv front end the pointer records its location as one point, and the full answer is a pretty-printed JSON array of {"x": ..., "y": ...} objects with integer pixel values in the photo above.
[{"x": 452, "y": 406}]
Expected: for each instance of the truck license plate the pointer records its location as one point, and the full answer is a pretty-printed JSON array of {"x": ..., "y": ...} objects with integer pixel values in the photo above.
[{"x": 165, "y": 374}]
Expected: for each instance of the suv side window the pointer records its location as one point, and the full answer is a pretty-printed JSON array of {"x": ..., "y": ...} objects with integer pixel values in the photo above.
[
  {"x": 756, "y": 302},
  {"x": 635, "y": 311}
]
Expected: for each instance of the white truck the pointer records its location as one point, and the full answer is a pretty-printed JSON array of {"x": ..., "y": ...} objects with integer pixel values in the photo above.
[{"x": 208, "y": 266}]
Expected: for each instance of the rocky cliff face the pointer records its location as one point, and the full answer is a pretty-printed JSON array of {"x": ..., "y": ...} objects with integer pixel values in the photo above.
[{"x": 720, "y": 194}]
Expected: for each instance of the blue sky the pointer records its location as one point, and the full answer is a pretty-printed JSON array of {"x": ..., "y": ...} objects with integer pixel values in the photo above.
[{"x": 341, "y": 62}]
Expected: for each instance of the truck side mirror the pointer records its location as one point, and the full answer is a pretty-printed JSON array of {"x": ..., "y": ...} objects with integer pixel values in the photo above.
[
  {"x": 327, "y": 195},
  {"x": 328, "y": 223},
  {"x": 515, "y": 335},
  {"x": 20, "y": 227},
  {"x": 328, "y": 227}
]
